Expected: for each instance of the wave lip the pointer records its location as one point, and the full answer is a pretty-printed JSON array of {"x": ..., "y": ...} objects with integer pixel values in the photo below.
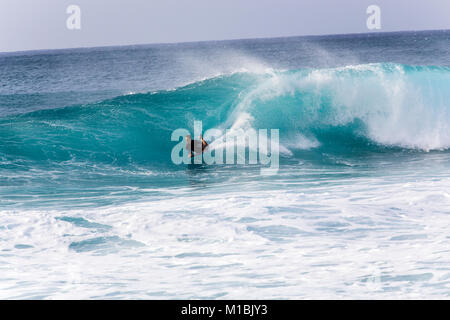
[{"x": 389, "y": 104}]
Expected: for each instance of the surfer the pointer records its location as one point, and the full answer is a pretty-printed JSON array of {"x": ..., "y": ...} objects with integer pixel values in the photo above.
[{"x": 197, "y": 146}]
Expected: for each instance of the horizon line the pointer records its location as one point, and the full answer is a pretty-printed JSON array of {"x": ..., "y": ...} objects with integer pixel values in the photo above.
[{"x": 220, "y": 40}]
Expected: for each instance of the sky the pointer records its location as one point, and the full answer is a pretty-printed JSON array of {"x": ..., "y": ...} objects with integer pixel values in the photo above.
[{"x": 41, "y": 24}]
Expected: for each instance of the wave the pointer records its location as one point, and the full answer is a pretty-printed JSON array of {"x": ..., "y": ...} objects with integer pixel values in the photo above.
[{"x": 370, "y": 106}]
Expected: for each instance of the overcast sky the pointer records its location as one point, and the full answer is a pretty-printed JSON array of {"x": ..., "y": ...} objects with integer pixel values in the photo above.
[{"x": 41, "y": 24}]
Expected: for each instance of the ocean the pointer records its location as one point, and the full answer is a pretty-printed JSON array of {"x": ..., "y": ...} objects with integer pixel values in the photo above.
[{"x": 93, "y": 207}]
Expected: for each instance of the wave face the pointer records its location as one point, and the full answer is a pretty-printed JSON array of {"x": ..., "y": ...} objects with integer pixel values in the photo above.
[{"x": 363, "y": 107}]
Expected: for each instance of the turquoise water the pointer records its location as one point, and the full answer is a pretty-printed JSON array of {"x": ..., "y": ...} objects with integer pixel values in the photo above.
[{"x": 91, "y": 205}]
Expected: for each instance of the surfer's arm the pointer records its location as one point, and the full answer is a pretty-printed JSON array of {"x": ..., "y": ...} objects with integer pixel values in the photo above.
[{"x": 204, "y": 143}]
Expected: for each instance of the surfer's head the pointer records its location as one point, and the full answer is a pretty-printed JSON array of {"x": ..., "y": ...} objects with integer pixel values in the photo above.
[{"x": 188, "y": 137}]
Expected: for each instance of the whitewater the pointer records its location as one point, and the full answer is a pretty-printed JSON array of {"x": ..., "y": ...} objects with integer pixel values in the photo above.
[{"x": 91, "y": 205}]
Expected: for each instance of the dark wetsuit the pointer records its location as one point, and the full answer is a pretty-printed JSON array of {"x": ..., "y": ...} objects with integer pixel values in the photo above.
[{"x": 197, "y": 145}]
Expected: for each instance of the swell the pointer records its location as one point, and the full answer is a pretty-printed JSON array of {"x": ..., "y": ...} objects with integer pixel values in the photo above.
[{"x": 364, "y": 107}]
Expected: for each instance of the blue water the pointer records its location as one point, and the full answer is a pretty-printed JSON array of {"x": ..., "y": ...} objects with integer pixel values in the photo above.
[{"x": 91, "y": 205}]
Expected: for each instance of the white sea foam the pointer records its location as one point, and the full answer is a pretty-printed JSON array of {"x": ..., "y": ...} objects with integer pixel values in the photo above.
[
  {"x": 398, "y": 108},
  {"x": 379, "y": 237}
]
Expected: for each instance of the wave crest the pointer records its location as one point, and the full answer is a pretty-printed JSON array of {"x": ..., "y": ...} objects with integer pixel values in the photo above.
[{"x": 389, "y": 105}]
